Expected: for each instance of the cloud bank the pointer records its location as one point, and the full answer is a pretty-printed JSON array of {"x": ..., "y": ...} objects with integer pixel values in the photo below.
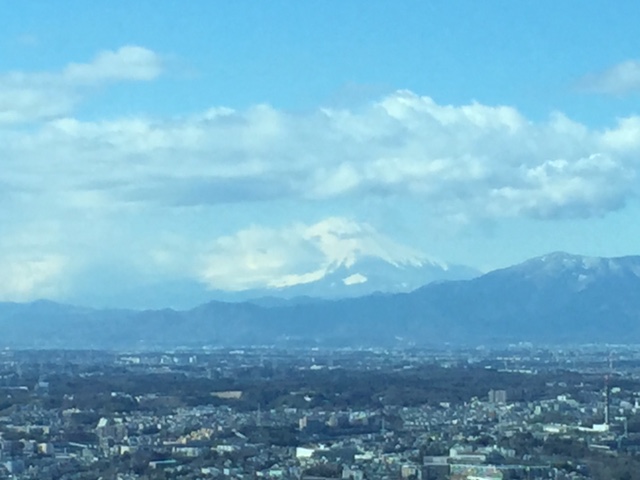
[
  {"x": 459, "y": 163},
  {"x": 475, "y": 161}
]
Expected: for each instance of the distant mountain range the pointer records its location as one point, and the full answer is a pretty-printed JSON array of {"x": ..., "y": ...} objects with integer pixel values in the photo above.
[
  {"x": 366, "y": 274},
  {"x": 556, "y": 298}
]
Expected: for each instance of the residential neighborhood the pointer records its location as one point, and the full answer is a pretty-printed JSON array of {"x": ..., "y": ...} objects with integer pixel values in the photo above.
[{"x": 549, "y": 415}]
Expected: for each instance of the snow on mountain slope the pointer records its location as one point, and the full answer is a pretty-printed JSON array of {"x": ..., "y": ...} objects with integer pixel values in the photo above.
[{"x": 336, "y": 257}]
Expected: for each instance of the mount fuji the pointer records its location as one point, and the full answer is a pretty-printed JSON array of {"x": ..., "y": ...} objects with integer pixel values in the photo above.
[
  {"x": 365, "y": 275},
  {"x": 558, "y": 298},
  {"x": 335, "y": 258}
]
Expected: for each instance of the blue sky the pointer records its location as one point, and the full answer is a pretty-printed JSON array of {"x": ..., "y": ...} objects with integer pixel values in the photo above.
[{"x": 231, "y": 145}]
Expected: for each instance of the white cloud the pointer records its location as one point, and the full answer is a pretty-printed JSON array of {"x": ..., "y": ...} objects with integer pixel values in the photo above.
[
  {"x": 25, "y": 278},
  {"x": 136, "y": 176},
  {"x": 343, "y": 241},
  {"x": 582, "y": 188},
  {"x": 621, "y": 79},
  {"x": 260, "y": 256},
  {"x": 22, "y": 102},
  {"x": 469, "y": 161},
  {"x": 625, "y": 138},
  {"x": 127, "y": 63},
  {"x": 26, "y": 97},
  {"x": 33, "y": 261}
]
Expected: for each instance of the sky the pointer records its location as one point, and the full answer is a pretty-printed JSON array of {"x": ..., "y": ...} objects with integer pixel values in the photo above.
[{"x": 238, "y": 145}]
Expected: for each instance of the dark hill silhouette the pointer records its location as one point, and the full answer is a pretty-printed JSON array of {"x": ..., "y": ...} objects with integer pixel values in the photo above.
[{"x": 556, "y": 298}]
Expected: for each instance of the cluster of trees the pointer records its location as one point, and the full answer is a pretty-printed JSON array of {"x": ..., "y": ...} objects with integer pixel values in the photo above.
[{"x": 289, "y": 386}]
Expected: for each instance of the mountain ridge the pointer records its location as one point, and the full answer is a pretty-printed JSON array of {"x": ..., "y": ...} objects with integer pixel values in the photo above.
[
  {"x": 357, "y": 275},
  {"x": 543, "y": 299}
]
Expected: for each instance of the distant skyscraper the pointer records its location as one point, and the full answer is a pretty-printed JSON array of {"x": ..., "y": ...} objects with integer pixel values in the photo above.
[
  {"x": 498, "y": 396},
  {"x": 302, "y": 423},
  {"x": 607, "y": 400}
]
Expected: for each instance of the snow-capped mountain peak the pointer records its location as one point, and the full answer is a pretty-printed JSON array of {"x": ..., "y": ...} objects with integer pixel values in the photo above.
[
  {"x": 354, "y": 279},
  {"x": 336, "y": 257}
]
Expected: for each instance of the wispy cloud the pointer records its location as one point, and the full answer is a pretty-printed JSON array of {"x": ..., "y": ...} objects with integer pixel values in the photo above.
[
  {"x": 129, "y": 63},
  {"x": 621, "y": 79},
  {"x": 28, "y": 40},
  {"x": 26, "y": 97}
]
